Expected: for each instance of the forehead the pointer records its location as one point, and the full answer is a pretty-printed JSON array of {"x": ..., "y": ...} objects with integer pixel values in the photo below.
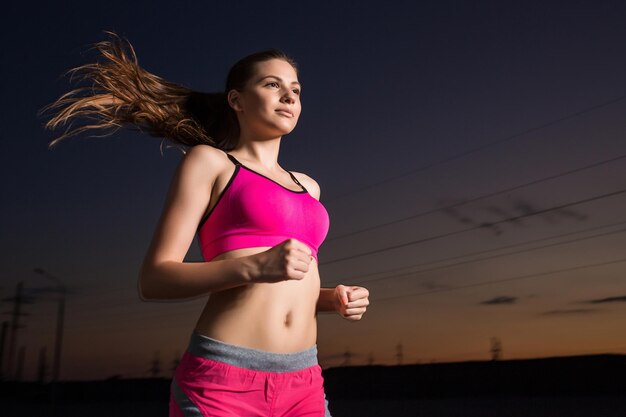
[{"x": 277, "y": 67}]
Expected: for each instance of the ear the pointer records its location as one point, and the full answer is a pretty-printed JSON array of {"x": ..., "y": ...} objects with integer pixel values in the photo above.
[{"x": 234, "y": 98}]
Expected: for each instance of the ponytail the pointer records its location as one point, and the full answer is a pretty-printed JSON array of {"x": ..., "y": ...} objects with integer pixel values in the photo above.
[{"x": 117, "y": 93}]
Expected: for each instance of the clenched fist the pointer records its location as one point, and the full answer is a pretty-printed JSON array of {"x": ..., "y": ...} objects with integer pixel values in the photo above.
[
  {"x": 285, "y": 261},
  {"x": 351, "y": 301}
]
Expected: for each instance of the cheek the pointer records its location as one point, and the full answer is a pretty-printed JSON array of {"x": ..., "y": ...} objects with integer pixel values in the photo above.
[
  {"x": 255, "y": 102},
  {"x": 298, "y": 109}
]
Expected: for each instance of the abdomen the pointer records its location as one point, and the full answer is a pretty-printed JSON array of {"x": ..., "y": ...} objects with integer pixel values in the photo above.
[{"x": 275, "y": 317}]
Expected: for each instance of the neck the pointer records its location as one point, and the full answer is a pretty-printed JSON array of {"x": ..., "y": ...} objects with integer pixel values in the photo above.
[{"x": 263, "y": 152}]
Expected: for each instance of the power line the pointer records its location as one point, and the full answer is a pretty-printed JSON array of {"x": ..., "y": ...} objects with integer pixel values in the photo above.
[
  {"x": 483, "y": 283},
  {"x": 488, "y": 195},
  {"x": 498, "y": 281},
  {"x": 421, "y": 271},
  {"x": 478, "y": 148},
  {"x": 480, "y": 226},
  {"x": 108, "y": 305},
  {"x": 105, "y": 305},
  {"x": 191, "y": 309},
  {"x": 181, "y": 312},
  {"x": 481, "y": 197},
  {"x": 452, "y": 258}
]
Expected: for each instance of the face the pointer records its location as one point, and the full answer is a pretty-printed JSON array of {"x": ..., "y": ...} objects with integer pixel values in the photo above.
[{"x": 269, "y": 105}]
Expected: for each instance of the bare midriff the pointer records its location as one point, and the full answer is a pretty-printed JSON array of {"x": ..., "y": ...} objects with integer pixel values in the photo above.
[{"x": 275, "y": 317}]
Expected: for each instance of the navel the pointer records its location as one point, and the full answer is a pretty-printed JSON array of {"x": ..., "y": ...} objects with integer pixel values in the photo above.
[{"x": 288, "y": 319}]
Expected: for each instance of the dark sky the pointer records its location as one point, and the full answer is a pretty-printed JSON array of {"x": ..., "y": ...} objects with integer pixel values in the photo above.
[{"x": 471, "y": 156}]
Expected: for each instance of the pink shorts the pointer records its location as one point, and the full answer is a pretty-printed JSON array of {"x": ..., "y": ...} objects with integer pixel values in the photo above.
[{"x": 216, "y": 379}]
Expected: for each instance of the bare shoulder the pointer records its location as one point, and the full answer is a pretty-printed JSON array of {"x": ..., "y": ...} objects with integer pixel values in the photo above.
[
  {"x": 204, "y": 160},
  {"x": 205, "y": 154},
  {"x": 309, "y": 183}
]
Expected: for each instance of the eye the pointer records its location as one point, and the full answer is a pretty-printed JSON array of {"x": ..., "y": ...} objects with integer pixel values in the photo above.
[
  {"x": 273, "y": 84},
  {"x": 296, "y": 91}
]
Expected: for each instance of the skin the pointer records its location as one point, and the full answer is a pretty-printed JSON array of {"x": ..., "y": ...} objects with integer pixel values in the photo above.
[{"x": 265, "y": 298}]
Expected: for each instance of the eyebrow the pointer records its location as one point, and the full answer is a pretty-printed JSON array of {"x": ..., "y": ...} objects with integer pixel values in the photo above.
[{"x": 278, "y": 78}]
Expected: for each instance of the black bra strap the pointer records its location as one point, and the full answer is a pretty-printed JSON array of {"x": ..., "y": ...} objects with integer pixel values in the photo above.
[
  {"x": 296, "y": 180},
  {"x": 233, "y": 159},
  {"x": 236, "y": 162}
]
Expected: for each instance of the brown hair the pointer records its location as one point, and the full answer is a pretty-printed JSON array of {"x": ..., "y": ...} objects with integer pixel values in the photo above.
[{"x": 119, "y": 93}]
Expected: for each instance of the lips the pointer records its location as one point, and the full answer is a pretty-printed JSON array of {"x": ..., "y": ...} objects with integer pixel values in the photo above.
[{"x": 284, "y": 112}]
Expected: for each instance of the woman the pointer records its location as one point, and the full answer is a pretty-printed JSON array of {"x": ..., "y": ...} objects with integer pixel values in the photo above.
[{"x": 253, "y": 351}]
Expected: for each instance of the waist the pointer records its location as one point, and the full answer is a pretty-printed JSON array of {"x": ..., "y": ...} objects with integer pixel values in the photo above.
[{"x": 249, "y": 358}]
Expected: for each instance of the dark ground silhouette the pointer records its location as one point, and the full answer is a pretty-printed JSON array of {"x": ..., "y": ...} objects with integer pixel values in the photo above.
[{"x": 571, "y": 387}]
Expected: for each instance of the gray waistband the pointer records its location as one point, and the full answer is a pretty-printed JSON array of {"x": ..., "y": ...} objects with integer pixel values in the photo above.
[{"x": 243, "y": 357}]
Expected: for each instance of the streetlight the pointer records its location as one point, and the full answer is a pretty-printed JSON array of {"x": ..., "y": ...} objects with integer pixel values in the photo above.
[{"x": 60, "y": 315}]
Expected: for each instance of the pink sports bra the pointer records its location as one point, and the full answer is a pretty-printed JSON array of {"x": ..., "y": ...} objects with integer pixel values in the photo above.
[{"x": 254, "y": 210}]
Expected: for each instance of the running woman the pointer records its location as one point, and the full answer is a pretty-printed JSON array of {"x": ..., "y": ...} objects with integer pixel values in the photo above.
[{"x": 253, "y": 350}]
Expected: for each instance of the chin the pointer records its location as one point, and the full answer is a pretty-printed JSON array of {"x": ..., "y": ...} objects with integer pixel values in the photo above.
[
  {"x": 283, "y": 130},
  {"x": 288, "y": 131},
  {"x": 273, "y": 129}
]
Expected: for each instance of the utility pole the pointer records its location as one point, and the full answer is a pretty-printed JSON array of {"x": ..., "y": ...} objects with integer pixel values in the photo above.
[
  {"x": 399, "y": 353},
  {"x": 3, "y": 339},
  {"x": 175, "y": 362},
  {"x": 496, "y": 349},
  {"x": 42, "y": 367},
  {"x": 18, "y": 300},
  {"x": 155, "y": 369},
  {"x": 20, "y": 363},
  {"x": 347, "y": 356},
  {"x": 56, "y": 370}
]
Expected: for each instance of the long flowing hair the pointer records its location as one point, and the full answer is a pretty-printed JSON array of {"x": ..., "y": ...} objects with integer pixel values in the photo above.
[{"x": 116, "y": 92}]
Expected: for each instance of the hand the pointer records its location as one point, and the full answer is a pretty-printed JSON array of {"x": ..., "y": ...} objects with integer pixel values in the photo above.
[
  {"x": 351, "y": 301},
  {"x": 285, "y": 261}
]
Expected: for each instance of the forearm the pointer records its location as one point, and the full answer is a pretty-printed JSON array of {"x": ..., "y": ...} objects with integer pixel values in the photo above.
[
  {"x": 179, "y": 280},
  {"x": 327, "y": 300}
]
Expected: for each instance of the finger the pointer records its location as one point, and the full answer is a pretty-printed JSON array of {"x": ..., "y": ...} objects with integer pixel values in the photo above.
[
  {"x": 301, "y": 246},
  {"x": 353, "y": 318},
  {"x": 363, "y": 302},
  {"x": 296, "y": 274},
  {"x": 305, "y": 257},
  {"x": 357, "y": 293},
  {"x": 343, "y": 294},
  {"x": 300, "y": 265},
  {"x": 299, "y": 258},
  {"x": 303, "y": 251},
  {"x": 355, "y": 311}
]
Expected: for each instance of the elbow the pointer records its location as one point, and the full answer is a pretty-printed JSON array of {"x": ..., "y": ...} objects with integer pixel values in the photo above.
[
  {"x": 143, "y": 288},
  {"x": 141, "y": 291},
  {"x": 153, "y": 283}
]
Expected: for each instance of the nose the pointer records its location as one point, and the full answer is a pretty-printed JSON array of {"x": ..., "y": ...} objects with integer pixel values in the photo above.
[{"x": 288, "y": 97}]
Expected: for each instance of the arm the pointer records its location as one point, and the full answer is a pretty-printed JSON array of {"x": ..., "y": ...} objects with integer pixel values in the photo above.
[
  {"x": 164, "y": 275},
  {"x": 328, "y": 301}
]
